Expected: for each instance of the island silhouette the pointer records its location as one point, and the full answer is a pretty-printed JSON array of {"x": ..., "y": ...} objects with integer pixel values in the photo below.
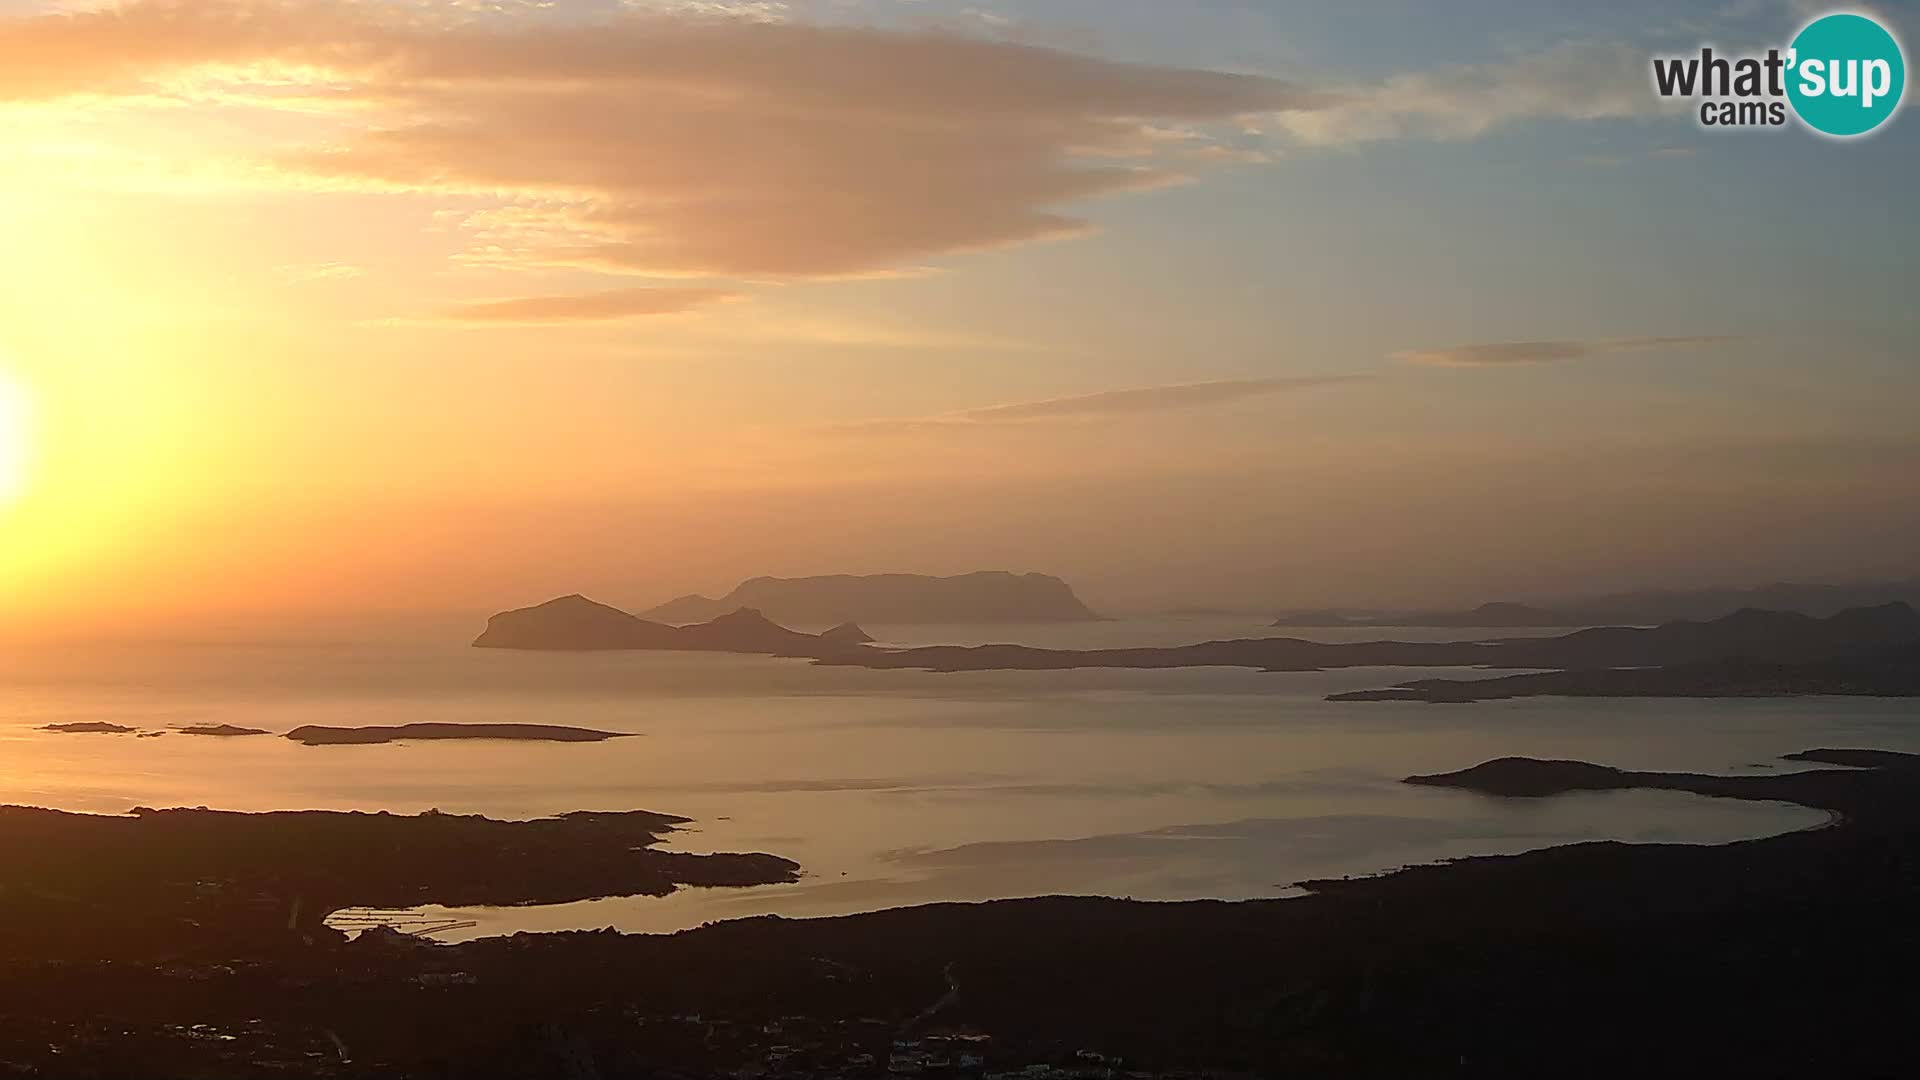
[
  {"x": 987, "y": 596},
  {"x": 577, "y": 624},
  {"x": 321, "y": 735},
  {"x": 1869, "y": 651}
]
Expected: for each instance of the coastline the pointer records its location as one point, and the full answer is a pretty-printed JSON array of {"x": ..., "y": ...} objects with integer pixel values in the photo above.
[{"x": 1505, "y": 961}]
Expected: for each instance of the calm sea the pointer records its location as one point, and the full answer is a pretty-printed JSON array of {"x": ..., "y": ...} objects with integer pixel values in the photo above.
[{"x": 898, "y": 787}]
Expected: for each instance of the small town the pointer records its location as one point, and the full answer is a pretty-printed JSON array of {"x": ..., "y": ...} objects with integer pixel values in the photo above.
[{"x": 799, "y": 1046}]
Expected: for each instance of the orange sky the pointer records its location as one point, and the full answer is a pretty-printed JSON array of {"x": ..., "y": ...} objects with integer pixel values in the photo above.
[{"x": 379, "y": 306}]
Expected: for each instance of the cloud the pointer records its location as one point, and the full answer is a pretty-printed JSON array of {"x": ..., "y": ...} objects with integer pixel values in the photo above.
[
  {"x": 1112, "y": 403},
  {"x": 670, "y": 144},
  {"x": 781, "y": 328},
  {"x": 1581, "y": 81},
  {"x": 584, "y": 307},
  {"x": 301, "y": 273},
  {"x": 1509, "y": 353},
  {"x": 676, "y": 138}
]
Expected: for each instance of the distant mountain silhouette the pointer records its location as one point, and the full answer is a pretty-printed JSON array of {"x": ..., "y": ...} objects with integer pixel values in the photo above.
[
  {"x": 1894, "y": 673},
  {"x": 1496, "y": 615},
  {"x": 1662, "y": 605},
  {"x": 1504, "y": 614},
  {"x": 1781, "y": 637},
  {"x": 1644, "y": 608},
  {"x": 990, "y": 596},
  {"x": 748, "y": 631},
  {"x": 1756, "y": 636},
  {"x": 577, "y": 624},
  {"x": 1871, "y": 652}
]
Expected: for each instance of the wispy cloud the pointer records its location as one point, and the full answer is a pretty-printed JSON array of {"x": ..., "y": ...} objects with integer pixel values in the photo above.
[
  {"x": 605, "y": 306},
  {"x": 300, "y": 273},
  {"x": 664, "y": 138},
  {"x": 1115, "y": 403},
  {"x": 1581, "y": 81},
  {"x": 1509, "y": 353},
  {"x": 784, "y": 328},
  {"x": 1151, "y": 399}
]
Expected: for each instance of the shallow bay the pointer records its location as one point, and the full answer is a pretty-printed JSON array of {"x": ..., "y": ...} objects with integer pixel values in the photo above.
[{"x": 897, "y": 787}]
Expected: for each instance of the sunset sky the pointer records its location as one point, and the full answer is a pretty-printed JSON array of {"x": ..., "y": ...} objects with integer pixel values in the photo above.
[{"x": 393, "y": 305}]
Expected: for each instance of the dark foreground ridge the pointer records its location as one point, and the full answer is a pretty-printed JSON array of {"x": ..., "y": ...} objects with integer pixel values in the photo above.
[
  {"x": 1790, "y": 956},
  {"x": 317, "y": 735}
]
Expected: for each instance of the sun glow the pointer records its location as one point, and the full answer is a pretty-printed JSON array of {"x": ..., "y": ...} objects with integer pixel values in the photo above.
[{"x": 15, "y": 441}]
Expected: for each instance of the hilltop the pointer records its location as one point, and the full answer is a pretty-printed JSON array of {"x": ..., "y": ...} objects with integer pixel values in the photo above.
[{"x": 577, "y": 624}]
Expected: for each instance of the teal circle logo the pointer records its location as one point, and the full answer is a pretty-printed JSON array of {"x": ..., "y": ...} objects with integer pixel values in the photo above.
[{"x": 1846, "y": 75}]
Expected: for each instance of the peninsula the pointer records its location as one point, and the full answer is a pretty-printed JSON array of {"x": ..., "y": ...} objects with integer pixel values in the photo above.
[
  {"x": 1644, "y": 608},
  {"x": 160, "y": 883},
  {"x": 1764, "y": 637}
]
